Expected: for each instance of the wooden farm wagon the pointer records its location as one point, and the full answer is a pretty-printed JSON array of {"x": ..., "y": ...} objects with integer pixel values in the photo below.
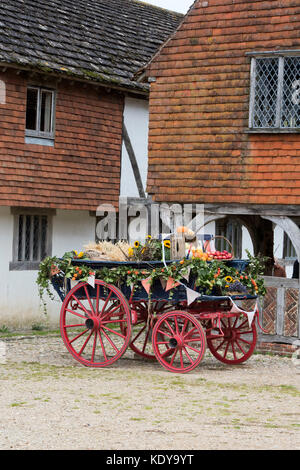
[{"x": 173, "y": 322}]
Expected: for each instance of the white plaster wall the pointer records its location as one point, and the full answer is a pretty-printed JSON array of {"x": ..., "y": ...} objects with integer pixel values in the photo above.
[
  {"x": 136, "y": 119},
  {"x": 20, "y": 305},
  {"x": 278, "y": 242},
  {"x": 71, "y": 231},
  {"x": 246, "y": 243}
]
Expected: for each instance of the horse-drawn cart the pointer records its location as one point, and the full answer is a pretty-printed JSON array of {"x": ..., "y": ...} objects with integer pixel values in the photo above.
[{"x": 100, "y": 320}]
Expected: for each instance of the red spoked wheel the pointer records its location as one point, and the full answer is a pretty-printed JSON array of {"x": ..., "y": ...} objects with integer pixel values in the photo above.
[
  {"x": 179, "y": 341},
  {"x": 141, "y": 342},
  {"x": 95, "y": 323},
  {"x": 238, "y": 342}
]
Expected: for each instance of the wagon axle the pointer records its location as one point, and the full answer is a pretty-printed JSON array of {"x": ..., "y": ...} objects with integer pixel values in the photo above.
[
  {"x": 92, "y": 323},
  {"x": 173, "y": 343}
]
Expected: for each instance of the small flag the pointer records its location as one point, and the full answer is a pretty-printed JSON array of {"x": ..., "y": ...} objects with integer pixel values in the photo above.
[
  {"x": 74, "y": 283},
  {"x": 171, "y": 283},
  {"x": 187, "y": 275},
  {"x": 91, "y": 280},
  {"x": 191, "y": 295},
  {"x": 146, "y": 284}
]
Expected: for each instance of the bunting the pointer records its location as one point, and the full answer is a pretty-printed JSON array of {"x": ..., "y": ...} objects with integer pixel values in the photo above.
[
  {"x": 250, "y": 315},
  {"x": 146, "y": 283},
  {"x": 91, "y": 280},
  {"x": 191, "y": 295}
]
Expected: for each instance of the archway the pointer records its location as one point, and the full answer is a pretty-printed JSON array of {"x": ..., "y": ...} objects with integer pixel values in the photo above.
[{"x": 290, "y": 228}]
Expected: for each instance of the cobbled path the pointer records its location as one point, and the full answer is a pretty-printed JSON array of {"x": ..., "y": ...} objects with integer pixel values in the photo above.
[{"x": 51, "y": 402}]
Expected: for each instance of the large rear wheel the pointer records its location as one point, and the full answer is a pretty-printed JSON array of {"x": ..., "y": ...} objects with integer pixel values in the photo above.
[
  {"x": 238, "y": 342},
  {"x": 95, "y": 323}
]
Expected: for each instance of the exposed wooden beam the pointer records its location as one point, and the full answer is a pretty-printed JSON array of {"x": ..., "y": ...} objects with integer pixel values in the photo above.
[{"x": 133, "y": 161}]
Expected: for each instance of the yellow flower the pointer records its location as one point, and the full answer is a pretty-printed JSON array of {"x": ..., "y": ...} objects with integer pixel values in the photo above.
[
  {"x": 80, "y": 255},
  {"x": 75, "y": 251},
  {"x": 167, "y": 243},
  {"x": 130, "y": 251},
  {"x": 149, "y": 236},
  {"x": 136, "y": 244},
  {"x": 228, "y": 279}
]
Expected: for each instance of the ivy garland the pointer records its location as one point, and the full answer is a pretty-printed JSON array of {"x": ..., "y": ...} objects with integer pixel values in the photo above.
[{"x": 213, "y": 275}]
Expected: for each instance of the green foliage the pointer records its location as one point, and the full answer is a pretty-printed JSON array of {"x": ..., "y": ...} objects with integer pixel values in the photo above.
[{"x": 209, "y": 276}]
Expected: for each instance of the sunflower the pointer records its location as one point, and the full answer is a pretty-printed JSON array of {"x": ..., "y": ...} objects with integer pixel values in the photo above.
[
  {"x": 130, "y": 251},
  {"x": 228, "y": 279},
  {"x": 167, "y": 244},
  {"x": 136, "y": 244}
]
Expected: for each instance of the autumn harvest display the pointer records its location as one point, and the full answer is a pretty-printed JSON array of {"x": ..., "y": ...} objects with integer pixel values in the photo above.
[
  {"x": 209, "y": 269},
  {"x": 120, "y": 295}
]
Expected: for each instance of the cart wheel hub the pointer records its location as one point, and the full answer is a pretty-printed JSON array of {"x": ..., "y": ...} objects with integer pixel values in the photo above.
[
  {"x": 92, "y": 323},
  {"x": 176, "y": 342},
  {"x": 230, "y": 334}
]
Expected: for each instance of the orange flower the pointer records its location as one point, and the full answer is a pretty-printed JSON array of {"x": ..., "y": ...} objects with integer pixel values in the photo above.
[{"x": 182, "y": 261}]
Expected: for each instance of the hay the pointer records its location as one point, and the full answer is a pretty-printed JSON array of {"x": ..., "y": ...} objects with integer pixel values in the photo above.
[{"x": 107, "y": 251}]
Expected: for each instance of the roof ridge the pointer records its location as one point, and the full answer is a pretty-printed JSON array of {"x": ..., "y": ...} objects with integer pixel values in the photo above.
[{"x": 111, "y": 38}]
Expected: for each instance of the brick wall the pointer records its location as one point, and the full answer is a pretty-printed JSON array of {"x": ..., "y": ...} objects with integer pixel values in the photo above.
[
  {"x": 199, "y": 108},
  {"x": 82, "y": 170}
]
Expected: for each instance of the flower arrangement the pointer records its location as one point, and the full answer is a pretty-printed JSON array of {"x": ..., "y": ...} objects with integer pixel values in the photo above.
[{"x": 150, "y": 250}]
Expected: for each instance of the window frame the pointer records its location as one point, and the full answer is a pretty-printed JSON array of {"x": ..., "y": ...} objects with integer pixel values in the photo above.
[
  {"x": 37, "y": 132},
  {"x": 22, "y": 265},
  {"x": 281, "y": 55}
]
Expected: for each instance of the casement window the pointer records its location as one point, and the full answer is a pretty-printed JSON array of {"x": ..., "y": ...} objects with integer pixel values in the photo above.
[
  {"x": 275, "y": 93},
  {"x": 232, "y": 231},
  {"x": 40, "y": 112},
  {"x": 32, "y": 240}
]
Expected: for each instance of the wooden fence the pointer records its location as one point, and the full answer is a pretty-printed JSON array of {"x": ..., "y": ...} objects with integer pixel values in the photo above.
[{"x": 280, "y": 311}]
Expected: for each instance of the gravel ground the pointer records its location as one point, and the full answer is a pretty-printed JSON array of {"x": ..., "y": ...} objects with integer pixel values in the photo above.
[{"x": 51, "y": 402}]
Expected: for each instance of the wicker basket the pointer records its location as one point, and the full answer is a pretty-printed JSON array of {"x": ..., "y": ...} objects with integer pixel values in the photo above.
[{"x": 205, "y": 245}]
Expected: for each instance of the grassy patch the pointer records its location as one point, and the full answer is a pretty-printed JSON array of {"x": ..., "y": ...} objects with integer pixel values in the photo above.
[{"x": 36, "y": 331}]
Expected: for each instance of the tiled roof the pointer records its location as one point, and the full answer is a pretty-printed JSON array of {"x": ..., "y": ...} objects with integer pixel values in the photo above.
[{"x": 100, "y": 40}]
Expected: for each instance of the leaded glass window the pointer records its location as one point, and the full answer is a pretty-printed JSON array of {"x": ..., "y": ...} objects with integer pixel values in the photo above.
[
  {"x": 275, "y": 93},
  {"x": 32, "y": 239}
]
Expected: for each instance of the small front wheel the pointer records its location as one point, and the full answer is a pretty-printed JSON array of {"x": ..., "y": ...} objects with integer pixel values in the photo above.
[{"x": 178, "y": 341}]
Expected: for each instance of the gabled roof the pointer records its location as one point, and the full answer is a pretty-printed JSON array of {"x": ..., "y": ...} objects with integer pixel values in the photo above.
[{"x": 106, "y": 41}]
